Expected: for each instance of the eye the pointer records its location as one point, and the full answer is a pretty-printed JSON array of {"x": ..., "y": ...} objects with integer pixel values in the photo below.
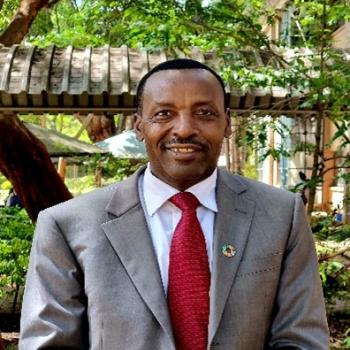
[
  {"x": 205, "y": 112},
  {"x": 162, "y": 113}
]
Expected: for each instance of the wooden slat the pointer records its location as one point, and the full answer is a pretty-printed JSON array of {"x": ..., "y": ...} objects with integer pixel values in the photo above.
[
  {"x": 106, "y": 68},
  {"x": 136, "y": 75},
  {"x": 7, "y": 68},
  {"x": 86, "y": 70},
  {"x": 105, "y": 78},
  {"x": 265, "y": 101},
  {"x": 67, "y": 68},
  {"x": 235, "y": 97},
  {"x": 125, "y": 69},
  {"x": 68, "y": 100},
  {"x": 249, "y": 100},
  {"x": 27, "y": 69},
  {"x": 83, "y": 99},
  {"x": 37, "y": 99},
  {"x": 45, "y": 78},
  {"x": 145, "y": 63},
  {"x": 6, "y": 99},
  {"x": 22, "y": 99}
]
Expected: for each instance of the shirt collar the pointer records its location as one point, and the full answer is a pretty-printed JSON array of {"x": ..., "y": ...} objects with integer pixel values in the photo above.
[{"x": 157, "y": 192}]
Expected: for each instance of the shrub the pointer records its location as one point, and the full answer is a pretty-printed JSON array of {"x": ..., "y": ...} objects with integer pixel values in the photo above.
[
  {"x": 16, "y": 233},
  {"x": 331, "y": 237}
]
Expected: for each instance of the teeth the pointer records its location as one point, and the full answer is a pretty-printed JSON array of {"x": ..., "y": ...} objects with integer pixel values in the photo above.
[{"x": 183, "y": 150}]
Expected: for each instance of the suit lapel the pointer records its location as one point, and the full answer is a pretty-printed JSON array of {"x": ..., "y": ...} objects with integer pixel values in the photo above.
[
  {"x": 232, "y": 226},
  {"x": 129, "y": 236}
]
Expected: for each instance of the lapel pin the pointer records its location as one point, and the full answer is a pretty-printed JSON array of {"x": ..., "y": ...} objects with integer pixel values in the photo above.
[{"x": 228, "y": 250}]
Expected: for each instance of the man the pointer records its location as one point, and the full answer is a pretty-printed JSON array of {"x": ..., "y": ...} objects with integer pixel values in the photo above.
[{"x": 181, "y": 255}]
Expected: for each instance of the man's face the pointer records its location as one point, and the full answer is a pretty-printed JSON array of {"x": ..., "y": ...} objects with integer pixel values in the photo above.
[{"x": 183, "y": 123}]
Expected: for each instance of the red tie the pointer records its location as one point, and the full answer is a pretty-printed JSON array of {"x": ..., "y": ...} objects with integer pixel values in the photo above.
[{"x": 189, "y": 278}]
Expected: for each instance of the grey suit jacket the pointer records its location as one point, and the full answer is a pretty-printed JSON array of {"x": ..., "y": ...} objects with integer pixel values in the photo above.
[{"x": 94, "y": 282}]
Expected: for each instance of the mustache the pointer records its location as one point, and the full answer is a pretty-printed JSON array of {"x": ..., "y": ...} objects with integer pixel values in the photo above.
[{"x": 187, "y": 141}]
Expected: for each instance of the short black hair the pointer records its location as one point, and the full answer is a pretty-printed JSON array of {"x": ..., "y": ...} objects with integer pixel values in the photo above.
[{"x": 175, "y": 64}]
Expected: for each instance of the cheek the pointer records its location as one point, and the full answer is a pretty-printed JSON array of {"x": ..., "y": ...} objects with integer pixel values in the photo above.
[
  {"x": 215, "y": 139},
  {"x": 153, "y": 146},
  {"x": 155, "y": 135}
]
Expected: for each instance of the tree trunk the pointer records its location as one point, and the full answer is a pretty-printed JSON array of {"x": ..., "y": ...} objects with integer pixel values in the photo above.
[
  {"x": 100, "y": 127},
  {"x": 346, "y": 202},
  {"x": 22, "y": 20},
  {"x": 26, "y": 163},
  {"x": 2, "y": 347},
  {"x": 317, "y": 167}
]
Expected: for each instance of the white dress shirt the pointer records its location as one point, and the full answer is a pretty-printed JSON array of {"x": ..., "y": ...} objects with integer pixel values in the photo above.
[{"x": 162, "y": 216}]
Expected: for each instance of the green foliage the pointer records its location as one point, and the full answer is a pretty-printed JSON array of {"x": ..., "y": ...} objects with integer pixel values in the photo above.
[
  {"x": 16, "y": 232},
  {"x": 4, "y": 183},
  {"x": 110, "y": 169},
  {"x": 11, "y": 347},
  {"x": 334, "y": 272},
  {"x": 255, "y": 136},
  {"x": 335, "y": 278},
  {"x": 306, "y": 184},
  {"x": 115, "y": 169},
  {"x": 327, "y": 228},
  {"x": 8, "y": 10},
  {"x": 305, "y": 147},
  {"x": 81, "y": 184},
  {"x": 346, "y": 342},
  {"x": 66, "y": 25},
  {"x": 65, "y": 124}
]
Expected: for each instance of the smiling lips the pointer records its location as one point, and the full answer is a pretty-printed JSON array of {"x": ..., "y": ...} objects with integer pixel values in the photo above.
[
  {"x": 184, "y": 151},
  {"x": 184, "y": 148}
]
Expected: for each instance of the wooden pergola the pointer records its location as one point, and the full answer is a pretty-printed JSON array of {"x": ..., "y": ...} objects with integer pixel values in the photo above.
[{"x": 103, "y": 80}]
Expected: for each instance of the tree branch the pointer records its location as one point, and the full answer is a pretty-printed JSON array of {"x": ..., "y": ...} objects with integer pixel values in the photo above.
[
  {"x": 334, "y": 168},
  {"x": 52, "y": 3},
  {"x": 22, "y": 20},
  {"x": 334, "y": 254},
  {"x": 326, "y": 159},
  {"x": 338, "y": 127}
]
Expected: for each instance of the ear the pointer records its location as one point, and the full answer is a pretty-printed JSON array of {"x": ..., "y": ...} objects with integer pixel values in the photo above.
[
  {"x": 138, "y": 126},
  {"x": 228, "y": 128}
]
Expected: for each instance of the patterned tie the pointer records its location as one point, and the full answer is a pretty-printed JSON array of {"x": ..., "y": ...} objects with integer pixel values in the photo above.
[{"x": 189, "y": 278}]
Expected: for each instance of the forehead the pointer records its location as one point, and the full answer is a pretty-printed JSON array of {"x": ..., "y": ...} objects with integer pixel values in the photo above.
[{"x": 180, "y": 84}]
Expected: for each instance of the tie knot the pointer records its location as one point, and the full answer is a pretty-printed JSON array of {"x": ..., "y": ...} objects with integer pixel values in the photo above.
[{"x": 185, "y": 201}]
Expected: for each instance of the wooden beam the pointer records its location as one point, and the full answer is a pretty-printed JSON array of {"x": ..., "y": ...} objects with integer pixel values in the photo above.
[
  {"x": 7, "y": 68},
  {"x": 61, "y": 168},
  {"x": 115, "y": 110},
  {"x": 328, "y": 177},
  {"x": 84, "y": 125}
]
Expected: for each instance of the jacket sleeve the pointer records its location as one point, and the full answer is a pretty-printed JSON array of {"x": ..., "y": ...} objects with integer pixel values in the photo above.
[
  {"x": 300, "y": 318},
  {"x": 54, "y": 305}
]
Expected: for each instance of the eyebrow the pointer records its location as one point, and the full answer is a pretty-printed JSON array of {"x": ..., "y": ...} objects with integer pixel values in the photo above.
[
  {"x": 163, "y": 103},
  {"x": 170, "y": 104}
]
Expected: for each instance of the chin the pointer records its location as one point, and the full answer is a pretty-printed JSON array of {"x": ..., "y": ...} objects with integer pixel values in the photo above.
[{"x": 189, "y": 177}]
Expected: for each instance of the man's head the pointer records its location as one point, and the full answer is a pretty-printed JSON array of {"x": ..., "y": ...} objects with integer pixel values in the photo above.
[
  {"x": 176, "y": 64},
  {"x": 183, "y": 119}
]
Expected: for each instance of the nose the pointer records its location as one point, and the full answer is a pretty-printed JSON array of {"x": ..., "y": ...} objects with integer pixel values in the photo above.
[{"x": 185, "y": 126}]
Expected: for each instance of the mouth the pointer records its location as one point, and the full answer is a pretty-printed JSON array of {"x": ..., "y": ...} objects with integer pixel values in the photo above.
[{"x": 184, "y": 152}]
